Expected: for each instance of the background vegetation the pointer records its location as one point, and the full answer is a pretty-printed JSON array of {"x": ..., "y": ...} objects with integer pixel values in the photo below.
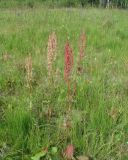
[{"x": 63, "y": 3}]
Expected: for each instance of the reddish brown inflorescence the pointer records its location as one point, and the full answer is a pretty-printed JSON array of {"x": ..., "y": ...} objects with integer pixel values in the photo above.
[
  {"x": 68, "y": 61},
  {"x": 51, "y": 51},
  {"x": 69, "y": 151}
]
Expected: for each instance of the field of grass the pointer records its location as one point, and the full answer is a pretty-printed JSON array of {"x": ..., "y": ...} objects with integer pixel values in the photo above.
[{"x": 32, "y": 119}]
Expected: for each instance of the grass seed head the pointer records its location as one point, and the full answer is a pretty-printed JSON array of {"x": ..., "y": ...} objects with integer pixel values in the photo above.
[{"x": 28, "y": 66}]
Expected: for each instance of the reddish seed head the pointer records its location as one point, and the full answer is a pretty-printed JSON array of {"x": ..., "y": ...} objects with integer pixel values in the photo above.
[
  {"x": 51, "y": 51},
  {"x": 68, "y": 61},
  {"x": 69, "y": 151}
]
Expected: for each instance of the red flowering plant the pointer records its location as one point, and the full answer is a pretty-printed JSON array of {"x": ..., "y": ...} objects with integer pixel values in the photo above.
[
  {"x": 68, "y": 65},
  {"x": 69, "y": 152},
  {"x": 68, "y": 62}
]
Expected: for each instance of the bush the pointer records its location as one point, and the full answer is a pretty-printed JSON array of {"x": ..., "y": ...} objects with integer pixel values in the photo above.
[
  {"x": 120, "y": 3},
  {"x": 83, "y": 2},
  {"x": 30, "y": 4},
  {"x": 67, "y": 3}
]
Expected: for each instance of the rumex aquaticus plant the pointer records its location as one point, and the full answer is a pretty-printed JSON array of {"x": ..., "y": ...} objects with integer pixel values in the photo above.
[
  {"x": 68, "y": 62},
  {"x": 51, "y": 52},
  {"x": 51, "y": 57},
  {"x": 68, "y": 66},
  {"x": 69, "y": 152}
]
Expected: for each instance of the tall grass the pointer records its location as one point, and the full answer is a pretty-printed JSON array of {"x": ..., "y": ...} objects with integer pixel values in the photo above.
[{"x": 97, "y": 125}]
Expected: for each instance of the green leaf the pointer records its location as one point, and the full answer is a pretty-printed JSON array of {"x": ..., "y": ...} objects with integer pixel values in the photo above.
[
  {"x": 83, "y": 158},
  {"x": 39, "y": 155},
  {"x": 54, "y": 150}
]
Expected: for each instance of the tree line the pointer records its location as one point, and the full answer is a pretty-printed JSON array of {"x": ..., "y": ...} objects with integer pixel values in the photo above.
[
  {"x": 103, "y": 3},
  {"x": 71, "y": 3}
]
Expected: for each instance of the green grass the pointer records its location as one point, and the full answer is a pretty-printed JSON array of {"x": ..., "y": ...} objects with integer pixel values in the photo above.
[{"x": 99, "y": 115}]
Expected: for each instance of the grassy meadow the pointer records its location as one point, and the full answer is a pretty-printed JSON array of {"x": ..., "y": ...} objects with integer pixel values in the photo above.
[{"x": 32, "y": 118}]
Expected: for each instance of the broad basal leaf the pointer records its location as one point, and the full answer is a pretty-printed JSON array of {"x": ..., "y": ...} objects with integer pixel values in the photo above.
[
  {"x": 39, "y": 155},
  {"x": 83, "y": 158},
  {"x": 54, "y": 150}
]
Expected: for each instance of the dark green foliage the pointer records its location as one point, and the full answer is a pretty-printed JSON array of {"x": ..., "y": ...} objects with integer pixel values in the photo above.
[
  {"x": 30, "y": 4},
  {"x": 120, "y": 3},
  {"x": 83, "y": 2},
  {"x": 64, "y": 3}
]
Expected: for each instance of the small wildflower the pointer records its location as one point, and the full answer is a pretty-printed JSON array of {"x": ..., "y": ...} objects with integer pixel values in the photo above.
[
  {"x": 6, "y": 56},
  {"x": 66, "y": 123}
]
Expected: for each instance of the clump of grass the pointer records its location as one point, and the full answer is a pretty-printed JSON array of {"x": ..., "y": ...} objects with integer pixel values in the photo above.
[
  {"x": 82, "y": 46},
  {"x": 28, "y": 67}
]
